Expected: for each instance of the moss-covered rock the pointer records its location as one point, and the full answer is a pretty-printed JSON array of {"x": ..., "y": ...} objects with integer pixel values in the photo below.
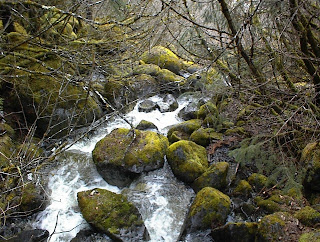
[
  {"x": 164, "y": 58},
  {"x": 209, "y": 209},
  {"x": 313, "y": 236},
  {"x": 123, "y": 154},
  {"x": 235, "y": 232},
  {"x": 146, "y": 125},
  {"x": 215, "y": 176},
  {"x": 182, "y": 131},
  {"x": 205, "y": 136},
  {"x": 243, "y": 189},
  {"x": 308, "y": 216},
  {"x": 150, "y": 69},
  {"x": 112, "y": 214},
  {"x": 187, "y": 160},
  {"x": 279, "y": 226},
  {"x": 207, "y": 108},
  {"x": 32, "y": 199},
  {"x": 257, "y": 181},
  {"x": 269, "y": 205},
  {"x": 170, "y": 82},
  {"x": 311, "y": 158}
]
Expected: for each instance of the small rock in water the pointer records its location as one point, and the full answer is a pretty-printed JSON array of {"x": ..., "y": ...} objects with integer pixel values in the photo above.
[
  {"x": 147, "y": 106},
  {"x": 34, "y": 235}
]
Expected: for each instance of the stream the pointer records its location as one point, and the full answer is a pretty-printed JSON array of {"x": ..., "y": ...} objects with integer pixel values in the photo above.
[{"x": 161, "y": 199}]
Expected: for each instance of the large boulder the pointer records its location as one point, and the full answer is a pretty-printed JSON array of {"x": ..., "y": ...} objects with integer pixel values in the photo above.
[
  {"x": 187, "y": 160},
  {"x": 112, "y": 214},
  {"x": 164, "y": 58},
  {"x": 124, "y": 154},
  {"x": 182, "y": 131},
  {"x": 215, "y": 176},
  {"x": 209, "y": 209}
]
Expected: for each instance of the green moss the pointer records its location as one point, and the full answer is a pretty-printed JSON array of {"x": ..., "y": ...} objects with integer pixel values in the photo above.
[
  {"x": 258, "y": 181},
  {"x": 215, "y": 176},
  {"x": 243, "y": 189},
  {"x": 204, "y": 136},
  {"x": 162, "y": 57},
  {"x": 185, "y": 129},
  {"x": 271, "y": 226},
  {"x": 269, "y": 205},
  {"x": 308, "y": 216},
  {"x": 237, "y": 130},
  {"x": 150, "y": 69},
  {"x": 208, "y": 108},
  {"x": 187, "y": 160},
  {"x": 166, "y": 77},
  {"x": 313, "y": 236},
  {"x": 210, "y": 207}
]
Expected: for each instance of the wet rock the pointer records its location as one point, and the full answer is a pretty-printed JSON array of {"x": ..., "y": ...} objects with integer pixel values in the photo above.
[
  {"x": 169, "y": 104},
  {"x": 164, "y": 58},
  {"x": 189, "y": 111},
  {"x": 90, "y": 235},
  {"x": 187, "y": 160},
  {"x": 124, "y": 154},
  {"x": 35, "y": 235},
  {"x": 205, "y": 136},
  {"x": 147, "y": 106},
  {"x": 236, "y": 232},
  {"x": 280, "y": 226},
  {"x": 182, "y": 131},
  {"x": 209, "y": 209},
  {"x": 146, "y": 125},
  {"x": 308, "y": 216},
  {"x": 112, "y": 214},
  {"x": 215, "y": 176},
  {"x": 311, "y": 158}
]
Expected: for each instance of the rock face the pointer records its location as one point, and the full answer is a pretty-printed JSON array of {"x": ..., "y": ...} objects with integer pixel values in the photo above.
[
  {"x": 209, "y": 209},
  {"x": 112, "y": 214},
  {"x": 124, "y": 154},
  {"x": 187, "y": 160}
]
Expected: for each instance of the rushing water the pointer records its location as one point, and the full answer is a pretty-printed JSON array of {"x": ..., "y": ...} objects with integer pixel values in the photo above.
[{"x": 161, "y": 199}]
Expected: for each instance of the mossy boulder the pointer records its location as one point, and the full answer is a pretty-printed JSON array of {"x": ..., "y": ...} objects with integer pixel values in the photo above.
[
  {"x": 308, "y": 216},
  {"x": 33, "y": 198},
  {"x": 236, "y": 232},
  {"x": 243, "y": 189},
  {"x": 149, "y": 69},
  {"x": 205, "y": 136},
  {"x": 257, "y": 181},
  {"x": 313, "y": 236},
  {"x": 164, "y": 58},
  {"x": 207, "y": 108},
  {"x": 170, "y": 82},
  {"x": 215, "y": 176},
  {"x": 124, "y": 154},
  {"x": 269, "y": 205},
  {"x": 182, "y": 131},
  {"x": 146, "y": 125},
  {"x": 311, "y": 159},
  {"x": 280, "y": 226},
  {"x": 209, "y": 209},
  {"x": 188, "y": 160},
  {"x": 112, "y": 214}
]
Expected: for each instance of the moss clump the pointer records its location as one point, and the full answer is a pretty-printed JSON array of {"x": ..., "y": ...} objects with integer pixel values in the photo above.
[
  {"x": 311, "y": 158},
  {"x": 183, "y": 130},
  {"x": 208, "y": 108},
  {"x": 146, "y": 125},
  {"x": 215, "y": 176},
  {"x": 109, "y": 212},
  {"x": 32, "y": 198},
  {"x": 258, "y": 181},
  {"x": 164, "y": 58},
  {"x": 209, "y": 209},
  {"x": 310, "y": 237},
  {"x": 187, "y": 160},
  {"x": 170, "y": 80},
  {"x": 243, "y": 189},
  {"x": 308, "y": 216},
  {"x": 269, "y": 205},
  {"x": 205, "y": 136}
]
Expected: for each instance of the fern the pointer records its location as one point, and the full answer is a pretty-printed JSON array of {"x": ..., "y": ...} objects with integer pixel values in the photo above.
[{"x": 258, "y": 153}]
